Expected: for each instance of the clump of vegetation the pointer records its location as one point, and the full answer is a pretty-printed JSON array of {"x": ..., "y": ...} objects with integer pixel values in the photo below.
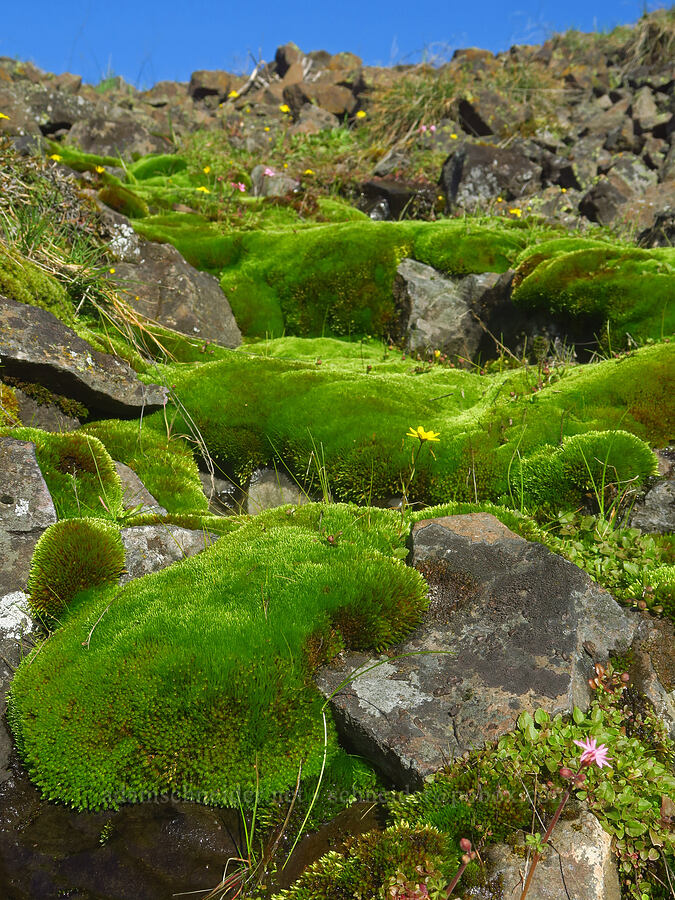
[
  {"x": 79, "y": 472},
  {"x": 218, "y": 702},
  {"x": 70, "y": 556}
]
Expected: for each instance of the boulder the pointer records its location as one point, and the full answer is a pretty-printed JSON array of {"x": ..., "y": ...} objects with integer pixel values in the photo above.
[
  {"x": 135, "y": 493},
  {"x": 477, "y": 173},
  {"x": 36, "y": 347},
  {"x": 223, "y": 495},
  {"x": 125, "y": 137},
  {"x": 657, "y": 514},
  {"x": 510, "y": 627},
  {"x": 579, "y": 863},
  {"x": 213, "y": 83},
  {"x": 399, "y": 199},
  {"x": 269, "y": 488},
  {"x": 19, "y": 120},
  {"x": 312, "y": 120},
  {"x": 436, "y": 312},
  {"x": 56, "y": 111},
  {"x": 38, "y": 414},
  {"x": 333, "y": 98},
  {"x": 482, "y": 115},
  {"x": 603, "y": 202},
  {"x": 287, "y": 56},
  {"x": 273, "y": 184},
  {"x": 661, "y": 233},
  {"x": 161, "y": 285},
  {"x": 149, "y": 548}
]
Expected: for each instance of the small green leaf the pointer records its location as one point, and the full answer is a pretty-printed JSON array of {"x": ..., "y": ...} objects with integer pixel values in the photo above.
[{"x": 578, "y": 716}]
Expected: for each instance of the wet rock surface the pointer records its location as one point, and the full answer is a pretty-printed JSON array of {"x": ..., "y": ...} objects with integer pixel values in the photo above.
[
  {"x": 152, "y": 850},
  {"x": 510, "y": 627},
  {"x": 35, "y": 346}
]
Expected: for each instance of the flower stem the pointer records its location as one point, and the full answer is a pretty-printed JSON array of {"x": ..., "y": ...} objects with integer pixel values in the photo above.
[{"x": 545, "y": 839}]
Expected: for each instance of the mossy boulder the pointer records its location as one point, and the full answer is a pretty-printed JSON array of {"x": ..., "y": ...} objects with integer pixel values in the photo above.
[
  {"x": 600, "y": 285},
  {"x": 196, "y": 679},
  {"x": 23, "y": 281},
  {"x": 354, "y": 415},
  {"x": 79, "y": 473}
]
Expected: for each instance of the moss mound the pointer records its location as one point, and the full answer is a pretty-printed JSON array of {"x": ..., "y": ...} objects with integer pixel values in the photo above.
[
  {"x": 79, "y": 472},
  {"x": 71, "y": 556},
  {"x": 252, "y": 411},
  {"x": 195, "y": 675},
  {"x": 165, "y": 466},
  {"x": 341, "y": 276},
  {"x": 600, "y": 284},
  {"x": 24, "y": 282}
]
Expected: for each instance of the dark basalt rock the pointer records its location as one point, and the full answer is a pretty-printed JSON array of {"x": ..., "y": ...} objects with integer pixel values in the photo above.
[
  {"x": 36, "y": 347},
  {"x": 478, "y": 173},
  {"x": 510, "y": 627},
  {"x": 163, "y": 286}
]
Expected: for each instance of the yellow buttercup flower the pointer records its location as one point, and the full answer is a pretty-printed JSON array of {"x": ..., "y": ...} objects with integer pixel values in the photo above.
[
  {"x": 423, "y": 435},
  {"x": 98, "y": 169},
  {"x": 284, "y": 108},
  {"x": 308, "y": 172},
  {"x": 206, "y": 170},
  {"x": 453, "y": 136},
  {"x": 361, "y": 114},
  {"x": 267, "y": 128},
  {"x": 437, "y": 353},
  {"x": 204, "y": 190},
  {"x": 232, "y": 95},
  {"x": 112, "y": 271},
  {"x": 3, "y": 116},
  {"x": 516, "y": 212},
  {"x": 56, "y": 157}
]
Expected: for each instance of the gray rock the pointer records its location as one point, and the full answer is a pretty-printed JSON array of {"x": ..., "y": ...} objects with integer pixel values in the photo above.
[
  {"x": 149, "y": 548},
  {"x": 162, "y": 286},
  {"x": 124, "y": 137},
  {"x": 438, "y": 312},
  {"x": 478, "y": 173},
  {"x": 135, "y": 493},
  {"x": 43, "y": 415},
  {"x": 224, "y": 497},
  {"x": 313, "y": 119},
  {"x": 277, "y": 185},
  {"x": 510, "y": 627},
  {"x": 657, "y": 514},
  {"x": 269, "y": 488},
  {"x": 26, "y": 509},
  {"x": 603, "y": 202},
  {"x": 123, "y": 242},
  {"x": 579, "y": 863},
  {"x": 35, "y": 346}
]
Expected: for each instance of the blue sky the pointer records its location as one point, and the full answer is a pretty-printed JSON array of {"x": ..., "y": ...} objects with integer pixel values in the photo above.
[{"x": 147, "y": 41}]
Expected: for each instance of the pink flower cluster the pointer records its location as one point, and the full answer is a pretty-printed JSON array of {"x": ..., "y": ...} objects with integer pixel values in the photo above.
[
  {"x": 238, "y": 186},
  {"x": 425, "y": 128}
]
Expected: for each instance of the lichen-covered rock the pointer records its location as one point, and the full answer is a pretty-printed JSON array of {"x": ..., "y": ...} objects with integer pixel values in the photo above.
[
  {"x": 511, "y": 627},
  {"x": 478, "y": 173},
  {"x": 125, "y": 137},
  {"x": 149, "y": 548},
  {"x": 35, "y": 346},
  {"x": 580, "y": 864}
]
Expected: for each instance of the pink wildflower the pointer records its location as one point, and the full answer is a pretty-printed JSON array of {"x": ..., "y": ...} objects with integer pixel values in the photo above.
[
  {"x": 432, "y": 128},
  {"x": 592, "y": 753},
  {"x": 269, "y": 171},
  {"x": 238, "y": 186},
  {"x": 423, "y": 128}
]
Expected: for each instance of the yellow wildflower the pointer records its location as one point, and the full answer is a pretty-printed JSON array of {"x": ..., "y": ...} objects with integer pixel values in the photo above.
[
  {"x": 308, "y": 172},
  {"x": 516, "y": 211},
  {"x": 563, "y": 190},
  {"x": 284, "y": 108},
  {"x": 232, "y": 95},
  {"x": 112, "y": 271},
  {"x": 453, "y": 136},
  {"x": 267, "y": 128},
  {"x": 361, "y": 114},
  {"x": 3, "y": 116},
  {"x": 423, "y": 435},
  {"x": 203, "y": 189},
  {"x": 500, "y": 199},
  {"x": 98, "y": 169},
  {"x": 437, "y": 353},
  {"x": 206, "y": 170},
  {"x": 56, "y": 157}
]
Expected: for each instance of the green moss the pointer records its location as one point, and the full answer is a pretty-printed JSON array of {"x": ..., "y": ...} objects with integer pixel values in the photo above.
[
  {"x": 165, "y": 466},
  {"x": 69, "y": 557},
  {"x": 9, "y": 407},
  {"x": 253, "y": 410},
  {"x": 80, "y": 161},
  {"x": 152, "y": 166},
  {"x": 24, "y": 282},
  {"x": 402, "y": 855},
  {"x": 123, "y": 200},
  {"x": 195, "y": 675},
  {"x": 341, "y": 276},
  {"x": 79, "y": 472},
  {"x": 44, "y": 397},
  {"x": 598, "y": 283}
]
